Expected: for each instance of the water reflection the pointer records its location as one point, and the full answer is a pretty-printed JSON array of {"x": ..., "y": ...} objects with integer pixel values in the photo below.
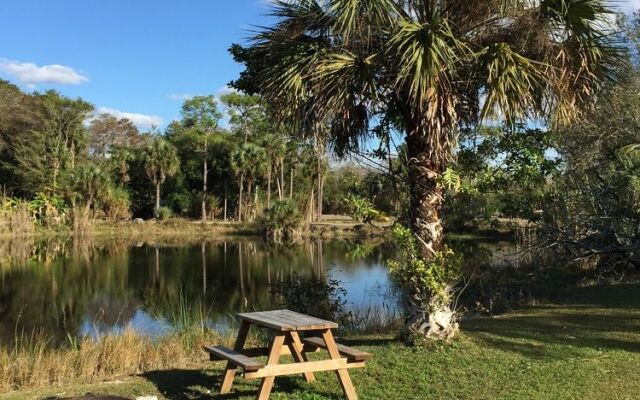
[
  {"x": 92, "y": 287},
  {"x": 88, "y": 287}
]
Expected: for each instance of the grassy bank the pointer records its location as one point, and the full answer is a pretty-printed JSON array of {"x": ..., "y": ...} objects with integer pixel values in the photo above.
[
  {"x": 587, "y": 346},
  {"x": 195, "y": 229}
]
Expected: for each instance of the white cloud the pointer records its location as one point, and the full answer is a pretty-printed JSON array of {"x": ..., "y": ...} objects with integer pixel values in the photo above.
[
  {"x": 181, "y": 96},
  {"x": 140, "y": 120},
  {"x": 32, "y": 74},
  {"x": 226, "y": 89}
]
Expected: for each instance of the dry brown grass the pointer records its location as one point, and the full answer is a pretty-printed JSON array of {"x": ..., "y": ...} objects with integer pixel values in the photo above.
[
  {"x": 82, "y": 221},
  {"x": 34, "y": 362},
  {"x": 17, "y": 220}
]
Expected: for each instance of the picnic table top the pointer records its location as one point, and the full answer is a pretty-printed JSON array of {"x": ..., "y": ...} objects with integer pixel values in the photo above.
[{"x": 287, "y": 321}]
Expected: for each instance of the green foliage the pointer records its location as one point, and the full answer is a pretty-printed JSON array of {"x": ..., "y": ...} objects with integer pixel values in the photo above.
[
  {"x": 500, "y": 172},
  {"x": 428, "y": 282},
  {"x": 361, "y": 209},
  {"x": 49, "y": 211},
  {"x": 116, "y": 204},
  {"x": 313, "y": 296},
  {"x": 281, "y": 220},
  {"x": 164, "y": 213}
]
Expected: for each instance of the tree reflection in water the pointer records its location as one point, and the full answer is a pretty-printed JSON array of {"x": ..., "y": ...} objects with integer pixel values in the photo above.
[{"x": 86, "y": 286}]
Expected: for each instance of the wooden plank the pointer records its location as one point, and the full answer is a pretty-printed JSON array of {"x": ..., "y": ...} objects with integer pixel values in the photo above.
[
  {"x": 343, "y": 374},
  {"x": 274, "y": 357},
  {"x": 299, "y": 368},
  {"x": 287, "y": 320},
  {"x": 349, "y": 352},
  {"x": 297, "y": 352},
  {"x": 269, "y": 321},
  {"x": 239, "y": 359},
  {"x": 230, "y": 369},
  {"x": 305, "y": 322}
]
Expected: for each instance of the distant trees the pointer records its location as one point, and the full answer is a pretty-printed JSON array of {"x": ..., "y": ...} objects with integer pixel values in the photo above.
[{"x": 58, "y": 150}]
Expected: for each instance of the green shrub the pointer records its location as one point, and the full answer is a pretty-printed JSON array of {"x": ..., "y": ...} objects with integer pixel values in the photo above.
[
  {"x": 429, "y": 285},
  {"x": 164, "y": 213},
  {"x": 116, "y": 204},
  {"x": 281, "y": 220},
  {"x": 362, "y": 210},
  {"x": 313, "y": 296}
]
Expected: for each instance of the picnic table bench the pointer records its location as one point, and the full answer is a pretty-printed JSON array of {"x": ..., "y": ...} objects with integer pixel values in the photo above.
[{"x": 287, "y": 326}]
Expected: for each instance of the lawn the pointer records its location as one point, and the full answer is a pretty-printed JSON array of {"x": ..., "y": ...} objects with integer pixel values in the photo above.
[{"x": 586, "y": 346}]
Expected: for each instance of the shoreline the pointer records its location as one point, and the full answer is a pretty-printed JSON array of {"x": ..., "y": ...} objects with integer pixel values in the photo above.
[{"x": 184, "y": 228}]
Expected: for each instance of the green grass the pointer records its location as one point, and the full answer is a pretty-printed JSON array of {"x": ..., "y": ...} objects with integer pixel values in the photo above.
[{"x": 584, "y": 347}]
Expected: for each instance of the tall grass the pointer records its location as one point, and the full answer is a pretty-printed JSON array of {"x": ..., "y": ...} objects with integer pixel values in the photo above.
[
  {"x": 15, "y": 217},
  {"x": 82, "y": 221},
  {"x": 33, "y": 361}
]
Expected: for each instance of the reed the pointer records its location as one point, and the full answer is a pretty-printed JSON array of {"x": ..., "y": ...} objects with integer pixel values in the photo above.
[{"x": 82, "y": 221}]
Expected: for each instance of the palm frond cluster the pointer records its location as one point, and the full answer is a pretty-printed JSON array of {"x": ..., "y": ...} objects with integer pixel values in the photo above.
[{"x": 427, "y": 67}]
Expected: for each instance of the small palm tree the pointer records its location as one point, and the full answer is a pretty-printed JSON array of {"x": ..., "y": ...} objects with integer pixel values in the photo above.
[
  {"x": 426, "y": 68},
  {"x": 90, "y": 183},
  {"x": 160, "y": 161}
]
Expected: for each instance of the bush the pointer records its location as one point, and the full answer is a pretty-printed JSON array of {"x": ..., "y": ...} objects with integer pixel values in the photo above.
[
  {"x": 429, "y": 285},
  {"x": 362, "y": 210},
  {"x": 314, "y": 296},
  {"x": 281, "y": 220},
  {"x": 116, "y": 205},
  {"x": 164, "y": 213}
]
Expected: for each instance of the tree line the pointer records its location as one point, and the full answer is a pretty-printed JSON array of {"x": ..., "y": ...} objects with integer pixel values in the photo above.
[{"x": 56, "y": 153}]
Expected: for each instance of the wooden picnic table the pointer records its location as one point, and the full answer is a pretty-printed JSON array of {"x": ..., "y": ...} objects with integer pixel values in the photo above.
[{"x": 287, "y": 326}]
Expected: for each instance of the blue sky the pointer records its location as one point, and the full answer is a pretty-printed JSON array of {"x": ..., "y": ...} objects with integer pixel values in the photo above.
[{"x": 136, "y": 58}]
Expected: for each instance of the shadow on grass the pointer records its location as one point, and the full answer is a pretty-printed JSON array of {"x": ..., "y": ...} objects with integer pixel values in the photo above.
[
  {"x": 593, "y": 318},
  {"x": 179, "y": 384}
]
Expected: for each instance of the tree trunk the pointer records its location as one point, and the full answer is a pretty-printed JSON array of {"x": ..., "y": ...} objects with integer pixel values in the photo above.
[
  {"x": 157, "y": 211},
  {"x": 281, "y": 195},
  {"x": 426, "y": 196},
  {"x": 269, "y": 169},
  {"x": 240, "y": 197},
  {"x": 291, "y": 184},
  {"x": 320, "y": 191},
  {"x": 204, "y": 183},
  {"x": 430, "y": 317}
]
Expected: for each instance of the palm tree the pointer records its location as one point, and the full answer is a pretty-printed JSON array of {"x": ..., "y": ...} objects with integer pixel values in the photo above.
[
  {"x": 160, "y": 161},
  {"x": 426, "y": 68},
  {"x": 90, "y": 183}
]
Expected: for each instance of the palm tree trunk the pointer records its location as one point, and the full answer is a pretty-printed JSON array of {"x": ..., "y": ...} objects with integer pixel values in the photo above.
[
  {"x": 157, "y": 210},
  {"x": 291, "y": 184},
  {"x": 269, "y": 169},
  {"x": 204, "y": 183},
  {"x": 429, "y": 317},
  {"x": 281, "y": 194},
  {"x": 427, "y": 196},
  {"x": 320, "y": 191},
  {"x": 240, "y": 197}
]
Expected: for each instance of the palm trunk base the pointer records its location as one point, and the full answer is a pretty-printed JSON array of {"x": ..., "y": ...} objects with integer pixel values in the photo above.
[{"x": 438, "y": 324}]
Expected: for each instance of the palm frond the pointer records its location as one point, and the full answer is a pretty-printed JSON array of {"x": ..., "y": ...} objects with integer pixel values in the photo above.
[{"x": 512, "y": 81}]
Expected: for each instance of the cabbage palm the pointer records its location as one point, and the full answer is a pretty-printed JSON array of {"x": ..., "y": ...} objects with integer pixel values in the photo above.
[
  {"x": 160, "y": 161},
  {"x": 426, "y": 68}
]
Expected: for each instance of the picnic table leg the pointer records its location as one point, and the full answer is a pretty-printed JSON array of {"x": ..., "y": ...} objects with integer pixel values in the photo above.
[
  {"x": 343, "y": 374},
  {"x": 297, "y": 352},
  {"x": 230, "y": 371},
  {"x": 274, "y": 357}
]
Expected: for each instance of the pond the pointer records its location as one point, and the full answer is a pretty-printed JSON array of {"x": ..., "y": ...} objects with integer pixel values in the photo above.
[{"x": 75, "y": 288}]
